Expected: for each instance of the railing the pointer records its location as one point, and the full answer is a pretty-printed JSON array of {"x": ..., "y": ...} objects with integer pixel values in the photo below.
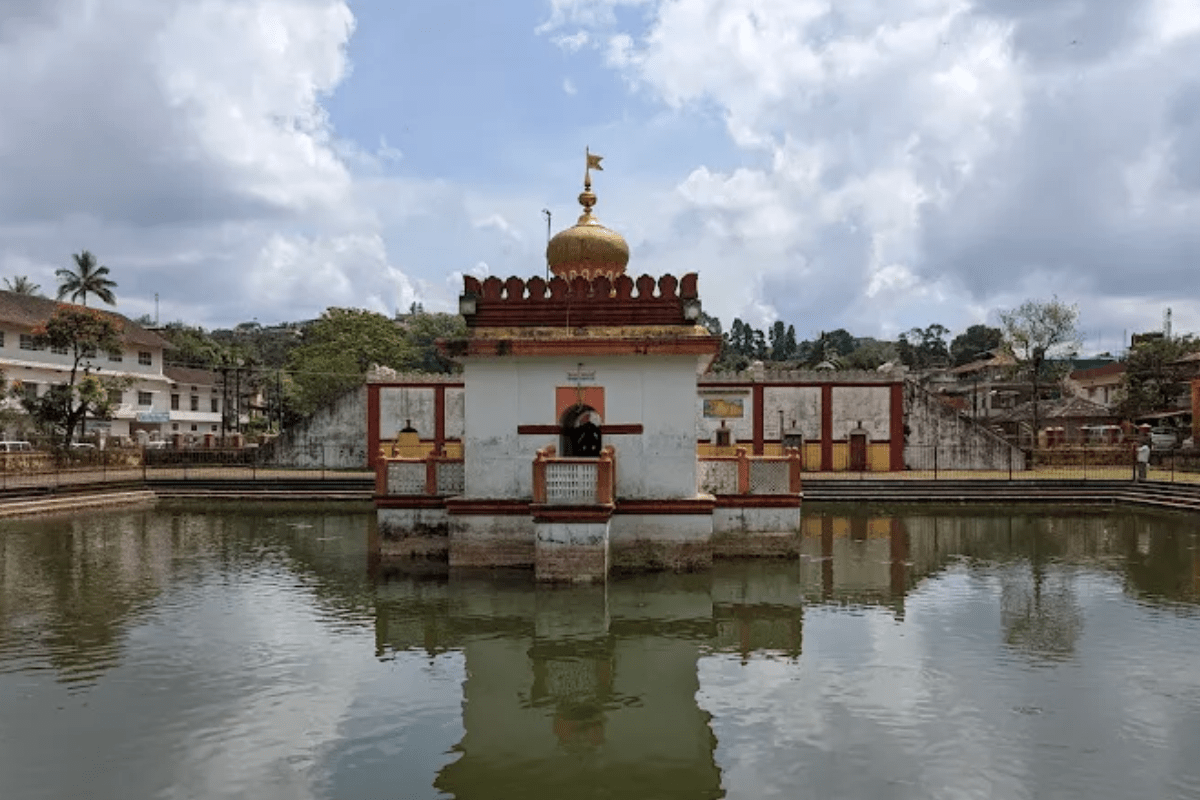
[
  {"x": 574, "y": 481},
  {"x": 432, "y": 476},
  {"x": 746, "y": 474},
  {"x": 43, "y": 469}
]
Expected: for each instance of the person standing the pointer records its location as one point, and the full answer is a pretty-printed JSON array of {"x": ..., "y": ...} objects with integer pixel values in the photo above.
[{"x": 1143, "y": 461}]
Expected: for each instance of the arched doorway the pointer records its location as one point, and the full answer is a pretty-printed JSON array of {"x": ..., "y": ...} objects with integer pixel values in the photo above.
[{"x": 580, "y": 435}]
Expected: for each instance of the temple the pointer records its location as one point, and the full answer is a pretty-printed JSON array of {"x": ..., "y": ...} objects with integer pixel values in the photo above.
[{"x": 577, "y": 452}]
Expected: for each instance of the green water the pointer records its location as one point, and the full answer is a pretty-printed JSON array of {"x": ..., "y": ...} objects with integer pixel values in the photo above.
[{"x": 243, "y": 651}]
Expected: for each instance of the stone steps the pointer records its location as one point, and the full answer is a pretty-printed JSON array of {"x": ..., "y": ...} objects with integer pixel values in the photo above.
[
  {"x": 1173, "y": 496},
  {"x": 28, "y": 507}
]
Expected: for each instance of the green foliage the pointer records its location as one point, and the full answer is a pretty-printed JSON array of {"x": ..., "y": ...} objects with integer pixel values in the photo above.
[
  {"x": 22, "y": 285},
  {"x": 1040, "y": 335},
  {"x": 1153, "y": 379},
  {"x": 972, "y": 343},
  {"x": 192, "y": 347},
  {"x": 924, "y": 348},
  {"x": 61, "y": 409},
  {"x": 422, "y": 330},
  {"x": 871, "y": 354},
  {"x": 87, "y": 278},
  {"x": 336, "y": 351}
]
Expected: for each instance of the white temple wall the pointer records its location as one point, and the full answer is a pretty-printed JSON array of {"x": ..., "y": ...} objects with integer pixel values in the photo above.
[
  {"x": 870, "y": 405},
  {"x": 657, "y": 392},
  {"x": 801, "y": 406},
  {"x": 400, "y": 403}
]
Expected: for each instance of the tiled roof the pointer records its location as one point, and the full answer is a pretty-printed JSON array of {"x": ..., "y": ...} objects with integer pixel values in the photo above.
[
  {"x": 27, "y": 311},
  {"x": 1000, "y": 359},
  {"x": 1066, "y": 408},
  {"x": 191, "y": 376},
  {"x": 1115, "y": 368}
]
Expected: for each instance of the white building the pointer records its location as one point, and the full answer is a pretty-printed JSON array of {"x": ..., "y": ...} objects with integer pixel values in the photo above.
[
  {"x": 158, "y": 401},
  {"x": 578, "y": 449}
]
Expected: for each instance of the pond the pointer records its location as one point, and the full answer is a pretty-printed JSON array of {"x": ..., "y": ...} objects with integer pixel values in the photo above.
[{"x": 910, "y": 652}]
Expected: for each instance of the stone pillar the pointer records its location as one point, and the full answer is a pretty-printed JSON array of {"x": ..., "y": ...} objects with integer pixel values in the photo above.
[
  {"x": 1196, "y": 412},
  {"x": 571, "y": 545}
]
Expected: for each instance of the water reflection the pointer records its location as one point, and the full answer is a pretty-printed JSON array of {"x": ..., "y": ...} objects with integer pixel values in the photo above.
[{"x": 259, "y": 650}]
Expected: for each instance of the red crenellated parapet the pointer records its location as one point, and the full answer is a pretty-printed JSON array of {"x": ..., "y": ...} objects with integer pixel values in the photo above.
[{"x": 579, "y": 302}]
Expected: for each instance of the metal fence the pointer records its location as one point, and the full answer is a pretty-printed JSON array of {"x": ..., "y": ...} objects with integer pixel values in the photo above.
[
  {"x": 53, "y": 469},
  {"x": 1081, "y": 462}
]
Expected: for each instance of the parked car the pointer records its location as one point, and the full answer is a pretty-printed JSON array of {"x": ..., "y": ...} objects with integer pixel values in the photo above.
[{"x": 1163, "y": 438}]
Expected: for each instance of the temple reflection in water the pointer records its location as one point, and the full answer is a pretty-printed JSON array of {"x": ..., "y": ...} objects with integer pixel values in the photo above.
[
  {"x": 604, "y": 679},
  {"x": 576, "y": 687}
]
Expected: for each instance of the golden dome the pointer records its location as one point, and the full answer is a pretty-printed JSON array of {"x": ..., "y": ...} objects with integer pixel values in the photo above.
[{"x": 587, "y": 248}]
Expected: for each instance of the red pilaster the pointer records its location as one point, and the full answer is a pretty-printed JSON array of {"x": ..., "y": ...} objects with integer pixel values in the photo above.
[
  {"x": 897, "y": 428},
  {"x": 827, "y": 428},
  {"x": 372, "y": 424},
  {"x": 380, "y": 477},
  {"x": 439, "y": 419},
  {"x": 758, "y": 420},
  {"x": 743, "y": 471},
  {"x": 1195, "y": 409}
]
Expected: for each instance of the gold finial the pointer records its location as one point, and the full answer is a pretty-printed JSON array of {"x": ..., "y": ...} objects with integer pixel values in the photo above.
[{"x": 587, "y": 198}]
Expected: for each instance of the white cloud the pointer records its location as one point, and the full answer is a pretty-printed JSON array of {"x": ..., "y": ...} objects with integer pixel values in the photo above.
[
  {"x": 573, "y": 42},
  {"x": 569, "y": 86},
  {"x": 918, "y": 161}
]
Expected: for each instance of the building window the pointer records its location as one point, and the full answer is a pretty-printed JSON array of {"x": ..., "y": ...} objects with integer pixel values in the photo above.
[
  {"x": 144, "y": 358},
  {"x": 174, "y": 402},
  {"x": 145, "y": 398},
  {"x": 195, "y": 403},
  {"x": 58, "y": 350},
  {"x": 30, "y": 390},
  {"x": 215, "y": 403},
  {"x": 214, "y": 428},
  {"x": 115, "y": 355},
  {"x": 114, "y": 397},
  {"x": 1, "y": 338},
  {"x": 28, "y": 343},
  {"x": 88, "y": 352},
  {"x": 174, "y": 426},
  {"x": 193, "y": 427}
]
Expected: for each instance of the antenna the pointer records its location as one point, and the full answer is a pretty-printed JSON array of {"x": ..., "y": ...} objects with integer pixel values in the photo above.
[
  {"x": 1167, "y": 323},
  {"x": 156, "y": 309}
]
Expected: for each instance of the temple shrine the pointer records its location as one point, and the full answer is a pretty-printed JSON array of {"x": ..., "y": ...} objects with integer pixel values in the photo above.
[{"x": 578, "y": 451}]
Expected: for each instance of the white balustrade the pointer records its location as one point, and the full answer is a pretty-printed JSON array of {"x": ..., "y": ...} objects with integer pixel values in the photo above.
[
  {"x": 768, "y": 477},
  {"x": 405, "y": 477},
  {"x": 450, "y": 478},
  {"x": 571, "y": 483},
  {"x": 717, "y": 477}
]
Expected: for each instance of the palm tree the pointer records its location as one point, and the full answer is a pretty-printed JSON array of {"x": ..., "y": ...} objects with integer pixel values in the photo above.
[
  {"x": 87, "y": 279},
  {"x": 21, "y": 285}
]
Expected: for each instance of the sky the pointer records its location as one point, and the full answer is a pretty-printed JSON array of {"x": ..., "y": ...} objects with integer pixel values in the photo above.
[{"x": 872, "y": 165}]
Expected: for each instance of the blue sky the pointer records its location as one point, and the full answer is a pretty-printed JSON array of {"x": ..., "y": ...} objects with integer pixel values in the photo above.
[{"x": 864, "y": 164}]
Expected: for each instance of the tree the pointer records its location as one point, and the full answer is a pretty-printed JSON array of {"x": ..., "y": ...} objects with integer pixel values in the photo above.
[
  {"x": 972, "y": 343},
  {"x": 422, "y": 331},
  {"x": 1154, "y": 379},
  {"x": 1036, "y": 333},
  {"x": 336, "y": 351},
  {"x": 924, "y": 349},
  {"x": 870, "y": 354},
  {"x": 22, "y": 285},
  {"x": 192, "y": 347},
  {"x": 82, "y": 333},
  {"x": 87, "y": 278}
]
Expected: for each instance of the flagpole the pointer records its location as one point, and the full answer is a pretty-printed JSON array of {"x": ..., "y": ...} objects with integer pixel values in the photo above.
[{"x": 546, "y": 211}]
